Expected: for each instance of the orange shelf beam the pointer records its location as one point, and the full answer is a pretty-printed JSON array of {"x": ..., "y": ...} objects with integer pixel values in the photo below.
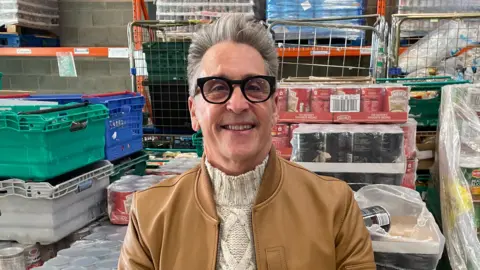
[{"x": 77, "y": 51}]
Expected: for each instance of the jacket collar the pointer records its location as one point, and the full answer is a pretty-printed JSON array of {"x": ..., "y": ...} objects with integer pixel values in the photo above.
[{"x": 271, "y": 180}]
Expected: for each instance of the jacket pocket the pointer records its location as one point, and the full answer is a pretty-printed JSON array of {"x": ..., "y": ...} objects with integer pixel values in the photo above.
[
  {"x": 363, "y": 266},
  {"x": 276, "y": 258}
]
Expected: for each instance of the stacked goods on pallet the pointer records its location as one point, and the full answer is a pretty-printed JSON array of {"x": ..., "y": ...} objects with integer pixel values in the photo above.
[
  {"x": 316, "y": 103},
  {"x": 38, "y": 14},
  {"x": 358, "y": 154},
  {"x": 299, "y": 9},
  {"x": 412, "y": 240},
  {"x": 185, "y": 10},
  {"x": 439, "y": 49},
  {"x": 96, "y": 246},
  {"x": 425, "y": 98},
  {"x": 421, "y": 27},
  {"x": 459, "y": 165},
  {"x": 409, "y": 140}
]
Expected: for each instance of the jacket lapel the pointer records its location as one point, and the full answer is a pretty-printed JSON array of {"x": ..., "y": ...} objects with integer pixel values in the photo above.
[
  {"x": 204, "y": 192},
  {"x": 271, "y": 179}
]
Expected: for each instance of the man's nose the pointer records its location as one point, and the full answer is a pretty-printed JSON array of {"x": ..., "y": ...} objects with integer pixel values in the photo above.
[{"x": 237, "y": 103}]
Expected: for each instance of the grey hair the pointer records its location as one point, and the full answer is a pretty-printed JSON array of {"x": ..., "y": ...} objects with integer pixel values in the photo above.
[{"x": 232, "y": 27}]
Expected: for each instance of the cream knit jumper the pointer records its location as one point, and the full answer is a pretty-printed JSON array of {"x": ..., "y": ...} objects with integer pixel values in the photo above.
[{"x": 234, "y": 197}]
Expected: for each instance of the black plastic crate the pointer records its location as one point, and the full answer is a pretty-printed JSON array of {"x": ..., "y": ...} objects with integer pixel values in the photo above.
[{"x": 170, "y": 108}]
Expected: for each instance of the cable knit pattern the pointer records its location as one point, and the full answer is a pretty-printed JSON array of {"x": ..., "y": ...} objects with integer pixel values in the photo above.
[{"x": 234, "y": 197}]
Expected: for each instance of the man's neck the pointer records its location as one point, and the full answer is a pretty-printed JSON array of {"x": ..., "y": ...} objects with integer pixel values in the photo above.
[{"x": 234, "y": 167}]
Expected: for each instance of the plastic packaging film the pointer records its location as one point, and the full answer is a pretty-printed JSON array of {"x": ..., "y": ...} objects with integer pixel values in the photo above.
[
  {"x": 441, "y": 43},
  {"x": 459, "y": 165},
  {"x": 414, "y": 240},
  {"x": 42, "y": 14},
  {"x": 358, "y": 154}
]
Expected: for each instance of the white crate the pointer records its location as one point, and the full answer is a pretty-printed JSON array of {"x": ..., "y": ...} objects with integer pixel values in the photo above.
[{"x": 39, "y": 212}]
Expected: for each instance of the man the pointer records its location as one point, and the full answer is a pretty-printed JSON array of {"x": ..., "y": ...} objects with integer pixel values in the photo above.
[{"x": 243, "y": 207}]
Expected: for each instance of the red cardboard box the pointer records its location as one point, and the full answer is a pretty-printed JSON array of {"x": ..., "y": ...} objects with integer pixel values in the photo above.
[
  {"x": 281, "y": 142},
  {"x": 282, "y": 94},
  {"x": 410, "y": 174},
  {"x": 281, "y": 130},
  {"x": 366, "y": 117},
  {"x": 299, "y": 99},
  {"x": 313, "y": 118},
  {"x": 396, "y": 99},
  {"x": 345, "y": 99},
  {"x": 372, "y": 99},
  {"x": 321, "y": 99},
  {"x": 409, "y": 138},
  {"x": 284, "y": 152},
  {"x": 292, "y": 128}
]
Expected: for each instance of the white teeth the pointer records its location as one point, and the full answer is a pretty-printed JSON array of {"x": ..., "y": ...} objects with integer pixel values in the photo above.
[{"x": 239, "y": 127}]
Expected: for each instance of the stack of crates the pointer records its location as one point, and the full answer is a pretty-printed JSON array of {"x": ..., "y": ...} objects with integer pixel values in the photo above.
[
  {"x": 52, "y": 169},
  {"x": 58, "y": 154},
  {"x": 122, "y": 127}
]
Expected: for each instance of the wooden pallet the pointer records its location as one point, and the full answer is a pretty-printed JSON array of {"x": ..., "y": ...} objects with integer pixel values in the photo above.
[{"x": 23, "y": 30}]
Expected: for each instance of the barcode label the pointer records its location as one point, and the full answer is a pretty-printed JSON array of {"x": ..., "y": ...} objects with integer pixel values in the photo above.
[
  {"x": 383, "y": 219},
  {"x": 345, "y": 103}
]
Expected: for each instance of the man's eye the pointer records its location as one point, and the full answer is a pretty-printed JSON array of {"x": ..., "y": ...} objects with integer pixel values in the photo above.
[
  {"x": 254, "y": 87},
  {"x": 218, "y": 87}
]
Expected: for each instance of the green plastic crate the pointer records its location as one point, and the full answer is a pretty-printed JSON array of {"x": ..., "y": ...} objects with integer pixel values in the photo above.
[
  {"x": 197, "y": 139},
  {"x": 136, "y": 164},
  {"x": 41, "y": 144},
  {"x": 166, "y": 61},
  {"x": 425, "y": 112}
]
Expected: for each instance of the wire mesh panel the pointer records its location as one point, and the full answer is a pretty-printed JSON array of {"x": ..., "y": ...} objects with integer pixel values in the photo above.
[
  {"x": 159, "y": 67},
  {"x": 450, "y": 49},
  {"x": 329, "y": 47}
]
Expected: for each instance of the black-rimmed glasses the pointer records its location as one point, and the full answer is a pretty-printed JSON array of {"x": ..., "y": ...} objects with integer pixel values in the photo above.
[{"x": 219, "y": 90}]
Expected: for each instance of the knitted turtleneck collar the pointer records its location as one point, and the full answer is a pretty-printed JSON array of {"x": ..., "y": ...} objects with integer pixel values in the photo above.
[{"x": 236, "y": 190}]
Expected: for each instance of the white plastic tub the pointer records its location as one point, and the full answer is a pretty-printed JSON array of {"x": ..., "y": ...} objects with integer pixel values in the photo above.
[{"x": 40, "y": 212}]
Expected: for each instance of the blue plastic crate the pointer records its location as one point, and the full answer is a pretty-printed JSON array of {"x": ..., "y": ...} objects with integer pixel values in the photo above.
[
  {"x": 16, "y": 40},
  {"x": 124, "y": 132},
  {"x": 61, "y": 99}
]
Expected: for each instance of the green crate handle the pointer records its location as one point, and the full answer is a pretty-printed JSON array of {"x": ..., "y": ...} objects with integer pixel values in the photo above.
[{"x": 47, "y": 123}]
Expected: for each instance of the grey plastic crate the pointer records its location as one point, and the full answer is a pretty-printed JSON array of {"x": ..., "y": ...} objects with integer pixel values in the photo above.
[{"x": 40, "y": 212}]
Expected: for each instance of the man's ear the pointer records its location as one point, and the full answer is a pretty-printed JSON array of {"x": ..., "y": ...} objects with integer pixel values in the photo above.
[
  {"x": 193, "y": 113},
  {"x": 275, "y": 114}
]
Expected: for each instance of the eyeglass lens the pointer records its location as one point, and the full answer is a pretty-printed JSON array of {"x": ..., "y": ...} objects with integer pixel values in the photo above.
[{"x": 218, "y": 90}]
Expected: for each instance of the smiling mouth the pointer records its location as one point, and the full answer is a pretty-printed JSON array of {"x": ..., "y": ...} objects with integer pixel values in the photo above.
[{"x": 238, "y": 127}]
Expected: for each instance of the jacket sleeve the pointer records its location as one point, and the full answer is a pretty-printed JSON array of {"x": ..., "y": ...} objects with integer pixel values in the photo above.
[
  {"x": 353, "y": 244},
  {"x": 134, "y": 254}
]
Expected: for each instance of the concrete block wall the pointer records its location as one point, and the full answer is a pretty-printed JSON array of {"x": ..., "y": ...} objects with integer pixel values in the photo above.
[
  {"x": 94, "y": 24},
  {"x": 41, "y": 74},
  {"x": 84, "y": 23}
]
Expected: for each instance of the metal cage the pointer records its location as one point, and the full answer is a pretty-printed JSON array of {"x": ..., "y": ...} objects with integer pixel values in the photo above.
[
  {"x": 330, "y": 47},
  {"x": 446, "y": 45},
  {"x": 158, "y": 60}
]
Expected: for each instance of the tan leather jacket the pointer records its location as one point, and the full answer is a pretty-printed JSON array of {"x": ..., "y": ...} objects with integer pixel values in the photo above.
[{"x": 301, "y": 221}]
